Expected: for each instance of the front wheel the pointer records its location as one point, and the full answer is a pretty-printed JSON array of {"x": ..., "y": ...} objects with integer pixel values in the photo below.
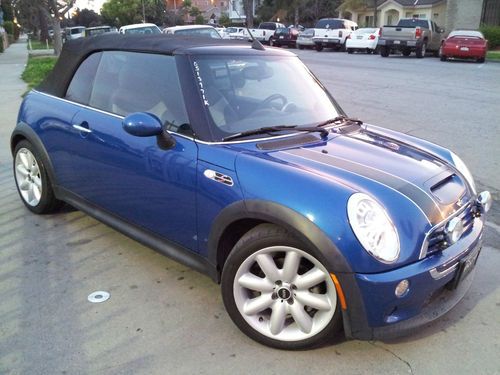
[
  {"x": 384, "y": 51},
  {"x": 278, "y": 292},
  {"x": 319, "y": 47}
]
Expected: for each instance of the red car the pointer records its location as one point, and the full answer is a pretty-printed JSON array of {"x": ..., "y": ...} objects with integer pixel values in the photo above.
[{"x": 464, "y": 44}]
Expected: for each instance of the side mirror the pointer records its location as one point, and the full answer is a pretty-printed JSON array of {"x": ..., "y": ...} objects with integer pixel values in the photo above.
[{"x": 142, "y": 124}]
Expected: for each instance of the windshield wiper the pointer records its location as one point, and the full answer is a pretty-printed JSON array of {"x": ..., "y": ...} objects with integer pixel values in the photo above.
[
  {"x": 341, "y": 120},
  {"x": 273, "y": 129}
]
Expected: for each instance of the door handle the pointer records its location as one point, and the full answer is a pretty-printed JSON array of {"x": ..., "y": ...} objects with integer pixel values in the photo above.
[{"x": 83, "y": 127}]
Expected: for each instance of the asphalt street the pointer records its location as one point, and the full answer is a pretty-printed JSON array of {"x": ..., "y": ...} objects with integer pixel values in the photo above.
[{"x": 163, "y": 318}]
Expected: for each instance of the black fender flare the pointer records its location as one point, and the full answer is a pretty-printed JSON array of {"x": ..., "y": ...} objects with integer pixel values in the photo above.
[
  {"x": 24, "y": 131},
  {"x": 280, "y": 215}
]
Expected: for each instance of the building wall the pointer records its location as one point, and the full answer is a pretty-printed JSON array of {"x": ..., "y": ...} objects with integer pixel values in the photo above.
[{"x": 463, "y": 14}]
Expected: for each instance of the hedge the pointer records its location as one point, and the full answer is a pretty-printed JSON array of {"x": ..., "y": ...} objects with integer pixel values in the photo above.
[{"x": 492, "y": 33}]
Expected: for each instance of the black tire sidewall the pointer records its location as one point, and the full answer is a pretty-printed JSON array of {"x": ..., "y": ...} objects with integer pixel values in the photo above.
[{"x": 263, "y": 236}]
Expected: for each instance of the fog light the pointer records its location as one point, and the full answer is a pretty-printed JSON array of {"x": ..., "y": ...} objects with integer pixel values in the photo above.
[
  {"x": 484, "y": 201},
  {"x": 454, "y": 230},
  {"x": 402, "y": 288}
]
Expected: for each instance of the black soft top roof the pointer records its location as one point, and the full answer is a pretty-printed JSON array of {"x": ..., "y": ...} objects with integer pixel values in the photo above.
[{"x": 75, "y": 51}]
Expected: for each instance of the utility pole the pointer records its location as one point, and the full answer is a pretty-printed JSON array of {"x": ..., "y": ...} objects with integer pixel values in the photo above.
[{"x": 143, "y": 13}]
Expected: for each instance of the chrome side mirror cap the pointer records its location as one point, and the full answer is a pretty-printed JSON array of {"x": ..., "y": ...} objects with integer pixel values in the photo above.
[{"x": 484, "y": 201}]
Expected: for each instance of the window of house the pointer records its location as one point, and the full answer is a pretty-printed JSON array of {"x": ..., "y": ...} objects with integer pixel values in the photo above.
[
  {"x": 128, "y": 82},
  {"x": 81, "y": 85}
]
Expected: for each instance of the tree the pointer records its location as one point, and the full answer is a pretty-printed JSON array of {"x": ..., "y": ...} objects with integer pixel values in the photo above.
[
  {"x": 86, "y": 17},
  {"x": 248, "y": 9},
  {"x": 121, "y": 12}
]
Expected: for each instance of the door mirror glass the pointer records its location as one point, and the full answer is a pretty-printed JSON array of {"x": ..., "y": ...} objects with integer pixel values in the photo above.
[{"x": 142, "y": 124}]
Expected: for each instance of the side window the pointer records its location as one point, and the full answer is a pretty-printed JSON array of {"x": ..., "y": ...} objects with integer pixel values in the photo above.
[
  {"x": 128, "y": 82},
  {"x": 81, "y": 85}
]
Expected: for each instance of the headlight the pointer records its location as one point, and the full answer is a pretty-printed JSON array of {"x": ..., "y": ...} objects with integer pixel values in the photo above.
[
  {"x": 373, "y": 227},
  {"x": 462, "y": 168}
]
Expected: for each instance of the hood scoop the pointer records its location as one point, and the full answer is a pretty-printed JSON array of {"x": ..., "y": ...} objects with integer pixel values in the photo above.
[{"x": 446, "y": 187}]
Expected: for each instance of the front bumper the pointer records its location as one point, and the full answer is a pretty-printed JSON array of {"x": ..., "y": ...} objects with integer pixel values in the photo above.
[{"x": 374, "y": 311}]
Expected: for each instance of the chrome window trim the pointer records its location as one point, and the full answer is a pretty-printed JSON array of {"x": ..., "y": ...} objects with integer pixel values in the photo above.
[
  {"x": 175, "y": 133},
  {"x": 423, "y": 250}
]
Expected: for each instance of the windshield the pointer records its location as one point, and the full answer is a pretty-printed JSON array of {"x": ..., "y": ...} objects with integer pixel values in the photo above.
[
  {"x": 414, "y": 22},
  {"x": 249, "y": 92},
  {"x": 207, "y": 32},
  {"x": 329, "y": 24},
  {"x": 366, "y": 31},
  {"x": 143, "y": 30}
]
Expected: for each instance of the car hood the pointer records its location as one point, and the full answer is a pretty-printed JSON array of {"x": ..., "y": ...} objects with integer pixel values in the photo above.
[{"x": 430, "y": 182}]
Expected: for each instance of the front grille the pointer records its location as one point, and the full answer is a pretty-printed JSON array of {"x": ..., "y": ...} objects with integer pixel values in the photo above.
[{"x": 436, "y": 241}]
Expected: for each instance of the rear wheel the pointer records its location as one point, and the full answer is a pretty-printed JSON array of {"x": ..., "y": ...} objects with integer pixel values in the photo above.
[
  {"x": 278, "y": 292},
  {"x": 32, "y": 181},
  {"x": 480, "y": 60},
  {"x": 319, "y": 47},
  {"x": 350, "y": 51},
  {"x": 406, "y": 52},
  {"x": 384, "y": 51},
  {"x": 421, "y": 50},
  {"x": 300, "y": 46}
]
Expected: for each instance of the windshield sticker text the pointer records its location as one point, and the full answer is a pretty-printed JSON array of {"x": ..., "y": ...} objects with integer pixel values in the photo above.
[{"x": 200, "y": 83}]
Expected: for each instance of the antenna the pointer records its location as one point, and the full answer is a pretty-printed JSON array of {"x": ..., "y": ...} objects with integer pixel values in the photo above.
[{"x": 255, "y": 43}]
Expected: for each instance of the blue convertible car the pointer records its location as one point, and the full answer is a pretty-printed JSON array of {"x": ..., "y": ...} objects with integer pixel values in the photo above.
[{"x": 235, "y": 160}]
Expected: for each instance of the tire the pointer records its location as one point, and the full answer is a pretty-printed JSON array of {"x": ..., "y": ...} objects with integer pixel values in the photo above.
[
  {"x": 319, "y": 47},
  {"x": 406, "y": 52},
  {"x": 300, "y": 46},
  {"x": 443, "y": 58},
  {"x": 32, "y": 181},
  {"x": 384, "y": 51},
  {"x": 481, "y": 60},
  {"x": 420, "y": 52},
  {"x": 350, "y": 51},
  {"x": 274, "y": 308},
  {"x": 343, "y": 47}
]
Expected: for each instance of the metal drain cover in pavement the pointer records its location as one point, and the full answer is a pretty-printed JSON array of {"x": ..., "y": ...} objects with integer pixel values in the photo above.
[{"x": 99, "y": 296}]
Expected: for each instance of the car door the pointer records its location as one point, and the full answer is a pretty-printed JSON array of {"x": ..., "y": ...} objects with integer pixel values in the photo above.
[{"x": 136, "y": 178}]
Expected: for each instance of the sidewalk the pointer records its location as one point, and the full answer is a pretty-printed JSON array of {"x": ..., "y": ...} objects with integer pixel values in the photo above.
[{"x": 12, "y": 63}]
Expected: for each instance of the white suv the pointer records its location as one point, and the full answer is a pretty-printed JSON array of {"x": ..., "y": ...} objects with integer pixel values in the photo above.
[{"x": 332, "y": 33}]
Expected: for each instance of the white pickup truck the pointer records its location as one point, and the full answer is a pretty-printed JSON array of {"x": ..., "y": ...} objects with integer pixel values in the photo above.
[
  {"x": 265, "y": 31},
  {"x": 332, "y": 33}
]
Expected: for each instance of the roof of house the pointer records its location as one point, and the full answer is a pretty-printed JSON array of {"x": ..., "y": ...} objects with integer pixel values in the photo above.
[{"x": 410, "y": 3}]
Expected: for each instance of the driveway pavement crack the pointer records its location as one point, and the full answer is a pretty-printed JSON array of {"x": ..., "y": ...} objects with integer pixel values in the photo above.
[{"x": 394, "y": 354}]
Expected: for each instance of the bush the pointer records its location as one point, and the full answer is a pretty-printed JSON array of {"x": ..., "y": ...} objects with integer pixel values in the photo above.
[
  {"x": 492, "y": 33},
  {"x": 9, "y": 27}
]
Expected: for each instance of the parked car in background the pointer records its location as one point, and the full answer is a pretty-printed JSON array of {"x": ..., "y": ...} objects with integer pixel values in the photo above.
[
  {"x": 237, "y": 33},
  {"x": 140, "y": 28},
  {"x": 75, "y": 32},
  {"x": 236, "y": 161},
  {"x": 464, "y": 44},
  {"x": 363, "y": 40},
  {"x": 411, "y": 35},
  {"x": 304, "y": 39},
  {"x": 332, "y": 33},
  {"x": 284, "y": 36},
  {"x": 98, "y": 30},
  {"x": 265, "y": 31},
  {"x": 193, "y": 30}
]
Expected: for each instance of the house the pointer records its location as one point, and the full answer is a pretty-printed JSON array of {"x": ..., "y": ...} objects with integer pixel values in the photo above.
[
  {"x": 450, "y": 14},
  {"x": 208, "y": 8}
]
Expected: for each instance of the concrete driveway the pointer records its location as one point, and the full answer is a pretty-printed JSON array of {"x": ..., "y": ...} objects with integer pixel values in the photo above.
[{"x": 163, "y": 318}]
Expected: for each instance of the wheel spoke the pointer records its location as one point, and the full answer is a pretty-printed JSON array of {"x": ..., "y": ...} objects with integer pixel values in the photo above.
[
  {"x": 310, "y": 278},
  {"x": 22, "y": 170},
  {"x": 25, "y": 185},
  {"x": 24, "y": 160},
  {"x": 30, "y": 194},
  {"x": 301, "y": 317},
  {"x": 37, "y": 193},
  {"x": 267, "y": 265},
  {"x": 257, "y": 304},
  {"x": 278, "y": 316},
  {"x": 252, "y": 282},
  {"x": 291, "y": 265},
  {"x": 35, "y": 169},
  {"x": 30, "y": 158},
  {"x": 38, "y": 182},
  {"x": 314, "y": 300}
]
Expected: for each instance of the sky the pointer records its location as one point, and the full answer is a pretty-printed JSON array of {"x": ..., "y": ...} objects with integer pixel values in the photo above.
[{"x": 95, "y": 5}]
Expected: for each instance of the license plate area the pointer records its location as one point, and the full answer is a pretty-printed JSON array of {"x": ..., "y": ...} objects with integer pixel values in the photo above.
[
  {"x": 465, "y": 266},
  {"x": 397, "y": 42},
  {"x": 465, "y": 49}
]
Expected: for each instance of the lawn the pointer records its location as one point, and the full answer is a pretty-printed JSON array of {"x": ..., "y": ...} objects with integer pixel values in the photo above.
[
  {"x": 493, "y": 55},
  {"x": 37, "y": 69},
  {"x": 36, "y": 44}
]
